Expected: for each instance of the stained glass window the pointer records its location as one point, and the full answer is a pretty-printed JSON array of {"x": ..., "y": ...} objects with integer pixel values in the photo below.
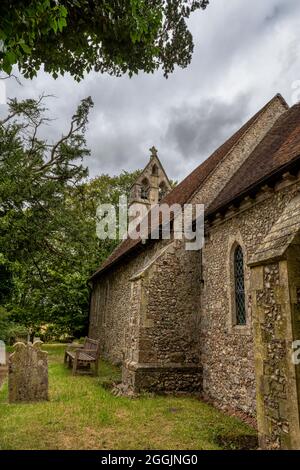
[{"x": 239, "y": 286}]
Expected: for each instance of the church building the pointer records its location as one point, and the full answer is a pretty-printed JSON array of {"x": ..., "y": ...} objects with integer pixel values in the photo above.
[{"x": 222, "y": 321}]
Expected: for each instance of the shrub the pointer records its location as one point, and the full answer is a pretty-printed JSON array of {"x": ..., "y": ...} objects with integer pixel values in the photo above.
[
  {"x": 52, "y": 332},
  {"x": 11, "y": 332}
]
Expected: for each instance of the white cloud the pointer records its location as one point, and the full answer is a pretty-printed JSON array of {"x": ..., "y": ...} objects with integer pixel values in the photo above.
[{"x": 245, "y": 52}]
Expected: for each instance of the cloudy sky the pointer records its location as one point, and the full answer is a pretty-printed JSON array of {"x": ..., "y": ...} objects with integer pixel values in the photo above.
[{"x": 245, "y": 52}]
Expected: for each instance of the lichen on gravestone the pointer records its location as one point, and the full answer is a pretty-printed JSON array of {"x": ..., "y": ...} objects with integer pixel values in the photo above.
[
  {"x": 2, "y": 353},
  {"x": 28, "y": 373}
]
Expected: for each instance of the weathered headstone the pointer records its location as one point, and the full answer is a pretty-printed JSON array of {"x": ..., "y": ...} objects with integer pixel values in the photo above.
[
  {"x": 3, "y": 368},
  {"x": 2, "y": 353},
  {"x": 28, "y": 373}
]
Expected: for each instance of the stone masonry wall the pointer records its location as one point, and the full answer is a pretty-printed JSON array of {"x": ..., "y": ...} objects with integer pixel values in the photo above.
[
  {"x": 152, "y": 321},
  {"x": 110, "y": 305},
  {"x": 227, "y": 351},
  {"x": 277, "y": 403},
  {"x": 154, "y": 180},
  {"x": 166, "y": 324},
  {"x": 293, "y": 260}
]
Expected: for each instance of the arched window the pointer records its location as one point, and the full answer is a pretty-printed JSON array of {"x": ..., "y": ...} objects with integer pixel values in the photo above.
[
  {"x": 145, "y": 189},
  {"x": 162, "y": 191},
  {"x": 154, "y": 170},
  {"x": 240, "y": 306}
]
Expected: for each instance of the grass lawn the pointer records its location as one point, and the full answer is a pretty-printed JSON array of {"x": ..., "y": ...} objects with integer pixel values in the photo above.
[{"x": 83, "y": 414}]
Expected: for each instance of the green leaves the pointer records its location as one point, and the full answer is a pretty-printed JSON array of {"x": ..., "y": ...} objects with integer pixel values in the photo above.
[
  {"x": 25, "y": 47},
  {"x": 22, "y": 27},
  {"x": 48, "y": 241},
  {"x": 120, "y": 37},
  {"x": 61, "y": 23},
  {"x": 36, "y": 224}
]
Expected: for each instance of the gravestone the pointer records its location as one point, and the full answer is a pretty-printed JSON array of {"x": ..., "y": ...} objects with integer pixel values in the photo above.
[
  {"x": 2, "y": 353},
  {"x": 28, "y": 373},
  {"x": 3, "y": 367}
]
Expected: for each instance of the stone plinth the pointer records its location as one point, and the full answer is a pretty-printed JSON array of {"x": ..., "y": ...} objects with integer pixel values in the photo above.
[
  {"x": 175, "y": 378},
  {"x": 28, "y": 373}
]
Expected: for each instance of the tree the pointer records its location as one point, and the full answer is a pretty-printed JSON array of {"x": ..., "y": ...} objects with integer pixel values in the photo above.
[
  {"x": 75, "y": 36},
  {"x": 48, "y": 242},
  {"x": 36, "y": 225},
  {"x": 35, "y": 176},
  {"x": 6, "y": 285}
]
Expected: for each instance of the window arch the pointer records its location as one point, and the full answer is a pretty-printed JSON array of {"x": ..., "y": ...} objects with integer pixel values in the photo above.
[
  {"x": 239, "y": 287},
  {"x": 162, "y": 191},
  {"x": 155, "y": 170},
  {"x": 145, "y": 189}
]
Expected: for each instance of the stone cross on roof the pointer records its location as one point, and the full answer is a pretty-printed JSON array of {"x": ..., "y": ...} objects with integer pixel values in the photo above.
[{"x": 153, "y": 151}]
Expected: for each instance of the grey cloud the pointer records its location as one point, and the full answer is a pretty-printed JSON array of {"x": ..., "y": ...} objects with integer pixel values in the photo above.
[
  {"x": 245, "y": 52},
  {"x": 199, "y": 130}
]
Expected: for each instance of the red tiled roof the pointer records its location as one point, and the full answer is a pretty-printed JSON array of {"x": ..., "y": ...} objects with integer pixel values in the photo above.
[
  {"x": 281, "y": 146},
  {"x": 183, "y": 192}
]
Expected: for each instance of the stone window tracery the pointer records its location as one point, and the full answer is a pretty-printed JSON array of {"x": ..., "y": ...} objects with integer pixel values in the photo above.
[{"x": 239, "y": 285}]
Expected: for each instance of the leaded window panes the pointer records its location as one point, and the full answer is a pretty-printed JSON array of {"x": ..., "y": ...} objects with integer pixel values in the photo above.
[{"x": 239, "y": 280}]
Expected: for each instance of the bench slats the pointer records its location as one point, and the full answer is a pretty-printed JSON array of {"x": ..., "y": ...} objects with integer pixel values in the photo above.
[
  {"x": 82, "y": 356},
  {"x": 88, "y": 354}
]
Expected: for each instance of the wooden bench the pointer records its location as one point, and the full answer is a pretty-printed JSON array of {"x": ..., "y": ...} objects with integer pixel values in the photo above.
[{"x": 80, "y": 358}]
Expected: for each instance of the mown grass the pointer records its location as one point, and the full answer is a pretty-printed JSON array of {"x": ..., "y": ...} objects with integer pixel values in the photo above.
[{"x": 83, "y": 414}]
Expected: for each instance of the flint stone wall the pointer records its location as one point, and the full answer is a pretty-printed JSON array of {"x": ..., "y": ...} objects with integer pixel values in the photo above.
[
  {"x": 276, "y": 310},
  {"x": 162, "y": 350},
  {"x": 111, "y": 301},
  {"x": 227, "y": 351}
]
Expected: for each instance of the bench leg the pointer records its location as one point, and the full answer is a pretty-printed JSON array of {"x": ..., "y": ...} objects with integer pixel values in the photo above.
[
  {"x": 67, "y": 360},
  {"x": 74, "y": 366}
]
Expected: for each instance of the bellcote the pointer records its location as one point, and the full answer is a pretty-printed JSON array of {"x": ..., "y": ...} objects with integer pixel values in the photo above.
[{"x": 153, "y": 183}]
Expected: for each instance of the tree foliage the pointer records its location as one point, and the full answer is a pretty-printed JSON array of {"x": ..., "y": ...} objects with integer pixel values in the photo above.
[
  {"x": 108, "y": 36},
  {"x": 48, "y": 243}
]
